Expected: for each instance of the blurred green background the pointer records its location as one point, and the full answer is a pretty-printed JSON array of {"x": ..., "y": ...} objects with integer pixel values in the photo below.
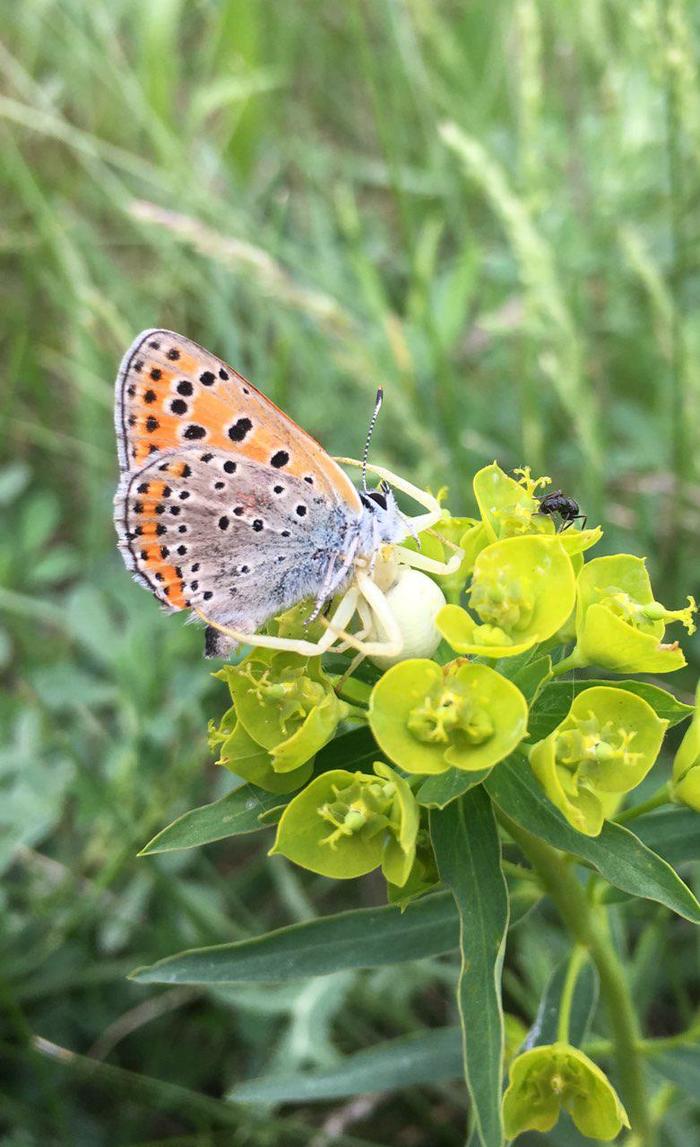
[{"x": 492, "y": 208}]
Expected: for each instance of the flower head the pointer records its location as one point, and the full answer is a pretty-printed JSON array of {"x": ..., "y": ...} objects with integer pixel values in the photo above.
[
  {"x": 607, "y": 743},
  {"x": 429, "y": 718},
  {"x": 555, "y": 1077}
]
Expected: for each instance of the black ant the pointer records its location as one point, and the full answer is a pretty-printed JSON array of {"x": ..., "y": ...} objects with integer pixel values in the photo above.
[{"x": 567, "y": 508}]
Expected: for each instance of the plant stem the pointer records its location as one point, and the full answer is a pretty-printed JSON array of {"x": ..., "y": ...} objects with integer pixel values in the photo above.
[
  {"x": 566, "y": 663},
  {"x": 660, "y": 797},
  {"x": 577, "y": 959},
  {"x": 588, "y": 925}
]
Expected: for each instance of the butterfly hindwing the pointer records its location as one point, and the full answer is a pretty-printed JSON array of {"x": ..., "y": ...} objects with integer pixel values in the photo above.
[
  {"x": 172, "y": 395},
  {"x": 237, "y": 540}
]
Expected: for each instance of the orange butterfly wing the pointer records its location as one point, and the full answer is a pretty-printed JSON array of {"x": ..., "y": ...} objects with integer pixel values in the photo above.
[
  {"x": 171, "y": 393},
  {"x": 172, "y": 396}
]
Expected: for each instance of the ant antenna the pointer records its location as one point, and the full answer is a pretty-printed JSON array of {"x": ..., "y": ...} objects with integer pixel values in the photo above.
[{"x": 372, "y": 424}]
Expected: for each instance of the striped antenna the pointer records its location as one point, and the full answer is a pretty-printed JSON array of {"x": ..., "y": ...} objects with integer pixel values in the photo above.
[{"x": 372, "y": 424}]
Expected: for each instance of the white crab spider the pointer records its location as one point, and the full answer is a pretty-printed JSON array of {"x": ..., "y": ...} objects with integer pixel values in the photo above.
[{"x": 382, "y": 633}]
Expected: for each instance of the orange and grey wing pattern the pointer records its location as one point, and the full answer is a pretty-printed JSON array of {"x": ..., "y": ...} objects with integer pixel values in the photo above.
[{"x": 173, "y": 394}]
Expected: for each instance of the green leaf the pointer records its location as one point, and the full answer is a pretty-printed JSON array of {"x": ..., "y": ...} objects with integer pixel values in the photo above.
[
  {"x": 468, "y": 853},
  {"x": 236, "y": 813},
  {"x": 554, "y": 702},
  {"x": 438, "y": 791},
  {"x": 243, "y": 810},
  {"x": 672, "y": 832},
  {"x": 360, "y": 938},
  {"x": 532, "y": 678},
  {"x": 544, "y": 1029},
  {"x": 617, "y": 853},
  {"x": 426, "y": 1058}
]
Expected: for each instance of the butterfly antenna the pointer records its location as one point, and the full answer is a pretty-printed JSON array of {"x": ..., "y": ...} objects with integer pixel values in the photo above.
[{"x": 372, "y": 424}]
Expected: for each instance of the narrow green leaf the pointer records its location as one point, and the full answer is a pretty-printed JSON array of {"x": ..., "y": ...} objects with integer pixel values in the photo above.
[
  {"x": 238, "y": 812},
  {"x": 425, "y": 1058},
  {"x": 438, "y": 791},
  {"x": 672, "y": 832},
  {"x": 617, "y": 853},
  {"x": 248, "y": 808},
  {"x": 361, "y": 938},
  {"x": 554, "y": 702},
  {"x": 468, "y": 852},
  {"x": 544, "y": 1029}
]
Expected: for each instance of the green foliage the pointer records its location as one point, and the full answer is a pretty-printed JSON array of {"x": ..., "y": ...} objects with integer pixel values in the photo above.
[{"x": 490, "y": 210}]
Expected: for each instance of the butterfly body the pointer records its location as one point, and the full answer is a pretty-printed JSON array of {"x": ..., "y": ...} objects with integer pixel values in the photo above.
[{"x": 225, "y": 506}]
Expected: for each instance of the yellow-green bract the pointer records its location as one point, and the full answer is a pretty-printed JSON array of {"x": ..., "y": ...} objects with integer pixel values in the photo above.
[
  {"x": 523, "y": 590},
  {"x": 345, "y": 824},
  {"x": 607, "y": 743},
  {"x": 619, "y": 625},
  {"x": 284, "y": 711},
  {"x": 428, "y": 718},
  {"x": 547, "y": 1079},
  {"x": 685, "y": 784}
]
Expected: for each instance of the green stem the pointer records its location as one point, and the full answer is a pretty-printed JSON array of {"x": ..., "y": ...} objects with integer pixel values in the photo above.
[
  {"x": 566, "y": 663},
  {"x": 577, "y": 959},
  {"x": 660, "y": 797},
  {"x": 588, "y": 925}
]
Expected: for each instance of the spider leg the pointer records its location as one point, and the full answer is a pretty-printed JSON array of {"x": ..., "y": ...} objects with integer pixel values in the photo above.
[
  {"x": 430, "y": 565},
  {"x": 357, "y": 660},
  {"x": 421, "y": 521},
  {"x": 335, "y": 628}
]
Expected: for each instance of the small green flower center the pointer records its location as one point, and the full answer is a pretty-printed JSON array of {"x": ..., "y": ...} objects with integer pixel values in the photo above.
[
  {"x": 589, "y": 744},
  {"x": 359, "y": 807},
  {"x": 644, "y": 616},
  {"x": 291, "y": 693},
  {"x": 446, "y": 715},
  {"x": 505, "y": 602},
  {"x": 516, "y": 519}
]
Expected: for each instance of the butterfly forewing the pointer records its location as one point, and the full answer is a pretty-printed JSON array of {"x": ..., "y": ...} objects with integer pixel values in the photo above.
[{"x": 173, "y": 394}]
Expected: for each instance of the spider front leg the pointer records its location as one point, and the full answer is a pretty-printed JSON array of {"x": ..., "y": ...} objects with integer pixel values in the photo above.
[
  {"x": 431, "y": 504},
  {"x": 382, "y": 618},
  {"x": 431, "y": 565},
  {"x": 335, "y": 629}
]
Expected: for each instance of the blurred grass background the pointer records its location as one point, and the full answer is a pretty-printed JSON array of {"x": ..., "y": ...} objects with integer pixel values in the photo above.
[{"x": 491, "y": 208}]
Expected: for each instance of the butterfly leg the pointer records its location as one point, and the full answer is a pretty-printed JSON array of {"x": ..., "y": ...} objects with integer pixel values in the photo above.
[
  {"x": 431, "y": 504},
  {"x": 335, "y": 628}
]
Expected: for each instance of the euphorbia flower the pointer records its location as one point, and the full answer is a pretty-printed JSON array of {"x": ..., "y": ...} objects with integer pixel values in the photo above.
[
  {"x": 522, "y": 591},
  {"x": 285, "y": 703},
  {"x": 428, "y": 718},
  {"x": 619, "y": 624},
  {"x": 607, "y": 743},
  {"x": 685, "y": 783},
  {"x": 345, "y": 824},
  {"x": 547, "y": 1079}
]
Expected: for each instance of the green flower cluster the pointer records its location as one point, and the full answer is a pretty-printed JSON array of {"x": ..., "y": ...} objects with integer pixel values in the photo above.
[
  {"x": 524, "y": 607},
  {"x": 528, "y": 593},
  {"x": 284, "y": 710}
]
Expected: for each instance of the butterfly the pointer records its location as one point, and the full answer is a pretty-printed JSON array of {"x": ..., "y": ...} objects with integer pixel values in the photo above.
[{"x": 225, "y": 507}]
